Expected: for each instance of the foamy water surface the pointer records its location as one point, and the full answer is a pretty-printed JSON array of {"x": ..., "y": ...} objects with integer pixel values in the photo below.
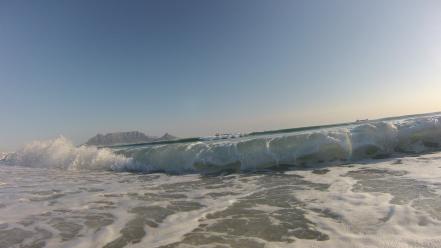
[{"x": 376, "y": 203}]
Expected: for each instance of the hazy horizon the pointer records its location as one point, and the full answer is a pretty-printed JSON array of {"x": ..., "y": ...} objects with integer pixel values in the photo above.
[{"x": 78, "y": 68}]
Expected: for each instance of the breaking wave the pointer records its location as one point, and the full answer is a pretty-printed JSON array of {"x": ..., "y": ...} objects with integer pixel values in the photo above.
[
  {"x": 333, "y": 145},
  {"x": 60, "y": 153}
]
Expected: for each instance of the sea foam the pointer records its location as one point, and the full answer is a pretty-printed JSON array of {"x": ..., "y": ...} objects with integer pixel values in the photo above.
[{"x": 61, "y": 153}]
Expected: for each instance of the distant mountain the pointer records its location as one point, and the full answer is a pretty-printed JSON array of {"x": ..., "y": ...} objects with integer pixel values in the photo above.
[
  {"x": 120, "y": 138},
  {"x": 166, "y": 137},
  {"x": 125, "y": 138}
]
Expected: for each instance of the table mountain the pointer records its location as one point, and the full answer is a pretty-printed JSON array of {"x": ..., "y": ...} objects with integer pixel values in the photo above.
[{"x": 125, "y": 138}]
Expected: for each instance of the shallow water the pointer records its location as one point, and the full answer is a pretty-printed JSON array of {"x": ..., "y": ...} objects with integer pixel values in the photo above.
[{"x": 377, "y": 203}]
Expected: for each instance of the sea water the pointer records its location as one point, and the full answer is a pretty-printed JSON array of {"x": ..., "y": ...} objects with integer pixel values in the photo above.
[{"x": 369, "y": 185}]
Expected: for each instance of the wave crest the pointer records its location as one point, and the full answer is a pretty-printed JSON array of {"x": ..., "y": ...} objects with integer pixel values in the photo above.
[
  {"x": 334, "y": 145},
  {"x": 61, "y": 153}
]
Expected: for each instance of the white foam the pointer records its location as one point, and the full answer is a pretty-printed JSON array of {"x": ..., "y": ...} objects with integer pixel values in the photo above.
[
  {"x": 361, "y": 213},
  {"x": 60, "y": 153}
]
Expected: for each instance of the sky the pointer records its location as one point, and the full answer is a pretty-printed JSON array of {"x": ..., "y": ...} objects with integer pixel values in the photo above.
[{"x": 197, "y": 67}]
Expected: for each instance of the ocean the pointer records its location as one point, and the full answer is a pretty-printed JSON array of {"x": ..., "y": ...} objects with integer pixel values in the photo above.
[{"x": 370, "y": 184}]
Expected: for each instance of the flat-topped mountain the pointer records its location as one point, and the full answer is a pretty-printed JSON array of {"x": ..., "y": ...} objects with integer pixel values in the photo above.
[{"x": 125, "y": 138}]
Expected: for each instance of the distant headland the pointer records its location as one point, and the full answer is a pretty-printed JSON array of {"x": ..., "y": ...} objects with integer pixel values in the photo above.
[{"x": 126, "y": 138}]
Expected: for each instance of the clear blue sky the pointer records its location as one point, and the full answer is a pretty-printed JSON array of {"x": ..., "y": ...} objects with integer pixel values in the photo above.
[{"x": 80, "y": 67}]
